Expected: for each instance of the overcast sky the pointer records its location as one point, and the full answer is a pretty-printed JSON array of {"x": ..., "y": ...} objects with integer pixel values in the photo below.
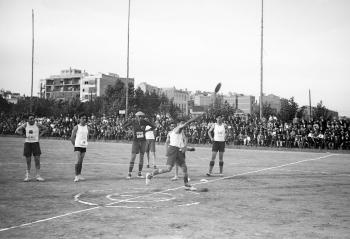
[{"x": 189, "y": 44}]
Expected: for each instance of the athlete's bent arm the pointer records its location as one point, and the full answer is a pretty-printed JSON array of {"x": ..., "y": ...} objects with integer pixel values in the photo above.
[
  {"x": 20, "y": 129},
  {"x": 74, "y": 134},
  {"x": 42, "y": 129},
  {"x": 210, "y": 131}
]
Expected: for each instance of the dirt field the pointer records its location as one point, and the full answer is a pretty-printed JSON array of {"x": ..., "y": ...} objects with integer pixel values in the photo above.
[{"x": 264, "y": 194}]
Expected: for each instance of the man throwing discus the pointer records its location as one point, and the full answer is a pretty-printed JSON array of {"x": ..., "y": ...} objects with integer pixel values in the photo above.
[{"x": 176, "y": 154}]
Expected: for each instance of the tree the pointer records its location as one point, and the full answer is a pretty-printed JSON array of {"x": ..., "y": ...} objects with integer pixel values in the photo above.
[
  {"x": 289, "y": 109},
  {"x": 115, "y": 98},
  {"x": 139, "y": 101},
  {"x": 301, "y": 112},
  {"x": 268, "y": 111},
  {"x": 322, "y": 111},
  {"x": 4, "y": 105},
  {"x": 174, "y": 110}
]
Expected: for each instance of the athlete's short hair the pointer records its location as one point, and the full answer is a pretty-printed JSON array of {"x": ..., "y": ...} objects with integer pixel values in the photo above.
[
  {"x": 82, "y": 115},
  {"x": 30, "y": 115}
]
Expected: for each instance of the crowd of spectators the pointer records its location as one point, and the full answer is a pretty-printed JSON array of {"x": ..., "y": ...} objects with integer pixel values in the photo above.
[{"x": 242, "y": 130}]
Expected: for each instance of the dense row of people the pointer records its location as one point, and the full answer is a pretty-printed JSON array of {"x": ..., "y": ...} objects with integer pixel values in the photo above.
[{"x": 242, "y": 130}]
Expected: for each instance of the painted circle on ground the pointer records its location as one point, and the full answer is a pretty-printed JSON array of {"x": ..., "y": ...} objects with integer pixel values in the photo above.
[{"x": 137, "y": 198}]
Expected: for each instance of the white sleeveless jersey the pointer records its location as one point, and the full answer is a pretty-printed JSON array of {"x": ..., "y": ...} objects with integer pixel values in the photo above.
[
  {"x": 32, "y": 133},
  {"x": 149, "y": 134},
  {"x": 81, "y": 136},
  {"x": 219, "y": 132},
  {"x": 177, "y": 140}
]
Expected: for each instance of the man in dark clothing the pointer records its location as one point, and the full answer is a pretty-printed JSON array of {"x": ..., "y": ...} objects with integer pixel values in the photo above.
[{"x": 138, "y": 125}]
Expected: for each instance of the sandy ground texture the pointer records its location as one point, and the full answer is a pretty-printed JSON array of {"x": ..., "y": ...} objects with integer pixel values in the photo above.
[{"x": 263, "y": 194}]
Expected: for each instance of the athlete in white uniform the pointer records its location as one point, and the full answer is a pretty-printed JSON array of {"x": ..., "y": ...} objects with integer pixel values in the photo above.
[
  {"x": 150, "y": 145},
  {"x": 32, "y": 131},
  {"x": 79, "y": 139},
  {"x": 218, "y": 140},
  {"x": 176, "y": 155}
]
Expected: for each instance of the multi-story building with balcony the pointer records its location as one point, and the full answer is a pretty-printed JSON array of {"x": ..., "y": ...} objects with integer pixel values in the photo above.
[
  {"x": 64, "y": 86},
  {"x": 93, "y": 86},
  {"x": 73, "y": 83}
]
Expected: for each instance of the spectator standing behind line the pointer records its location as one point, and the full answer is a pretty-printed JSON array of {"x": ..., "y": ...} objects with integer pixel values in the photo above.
[
  {"x": 218, "y": 140},
  {"x": 79, "y": 140},
  {"x": 138, "y": 125},
  {"x": 32, "y": 132}
]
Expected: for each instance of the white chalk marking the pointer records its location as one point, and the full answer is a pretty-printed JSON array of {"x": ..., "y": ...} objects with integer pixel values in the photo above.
[
  {"x": 170, "y": 189},
  {"x": 266, "y": 169},
  {"x": 48, "y": 219},
  {"x": 77, "y": 199}
]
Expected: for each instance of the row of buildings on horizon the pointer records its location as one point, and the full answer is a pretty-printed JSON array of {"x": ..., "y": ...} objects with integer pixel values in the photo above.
[{"x": 75, "y": 83}]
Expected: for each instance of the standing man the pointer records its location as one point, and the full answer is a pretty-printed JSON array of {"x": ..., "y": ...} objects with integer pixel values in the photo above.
[
  {"x": 219, "y": 130},
  {"x": 32, "y": 131},
  {"x": 176, "y": 154},
  {"x": 150, "y": 145},
  {"x": 138, "y": 125},
  {"x": 79, "y": 139}
]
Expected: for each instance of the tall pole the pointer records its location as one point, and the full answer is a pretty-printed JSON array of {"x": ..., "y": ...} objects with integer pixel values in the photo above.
[
  {"x": 127, "y": 67},
  {"x": 261, "y": 59},
  {"x": 31, "y": 87},
  {"x": 310, "y": 111}
]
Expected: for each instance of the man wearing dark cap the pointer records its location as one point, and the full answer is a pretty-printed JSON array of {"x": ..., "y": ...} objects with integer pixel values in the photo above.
[{"x": 138, "y": 125}]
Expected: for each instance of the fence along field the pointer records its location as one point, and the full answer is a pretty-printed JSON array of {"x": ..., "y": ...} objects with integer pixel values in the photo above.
[{"x": 264, "y": 194}]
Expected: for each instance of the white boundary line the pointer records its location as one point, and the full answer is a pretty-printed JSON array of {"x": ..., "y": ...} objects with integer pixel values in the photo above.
[
  {"x": 108, "y": 164},
  {"x": 48, "y": 219},
  {"x": 265, "y": 169},
  {"x": 304, "y": 171},
  {"x": 166, "y": 190}
]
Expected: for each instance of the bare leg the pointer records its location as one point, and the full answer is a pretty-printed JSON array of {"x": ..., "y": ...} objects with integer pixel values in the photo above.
[
  {"x": 161, "y": 171},
  {"x": 221, "y": 161},
  {"x": 37, "y": 168},
  {"x": 29, "y": 165},
  {"x": 212, "y": 162},
  {"x": 154, "y": 159},
  {"x": 176, "y": 176},
  {"x": 141, "y": 163},
  {"x": 132, "y": 161}
]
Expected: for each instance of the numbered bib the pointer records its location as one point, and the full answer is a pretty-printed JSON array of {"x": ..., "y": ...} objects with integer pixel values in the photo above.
[
  {"x": 83, "y": 142},
  {"x": 139, "y": 135}
]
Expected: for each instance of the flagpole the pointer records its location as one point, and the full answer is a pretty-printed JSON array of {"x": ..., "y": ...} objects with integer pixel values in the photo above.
[
  {"x": 31, "y": 88},
  {"x": 310, "y": 111},
  {"x": 127, "y": 67},
  {"x": 261, "y": 59}
]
